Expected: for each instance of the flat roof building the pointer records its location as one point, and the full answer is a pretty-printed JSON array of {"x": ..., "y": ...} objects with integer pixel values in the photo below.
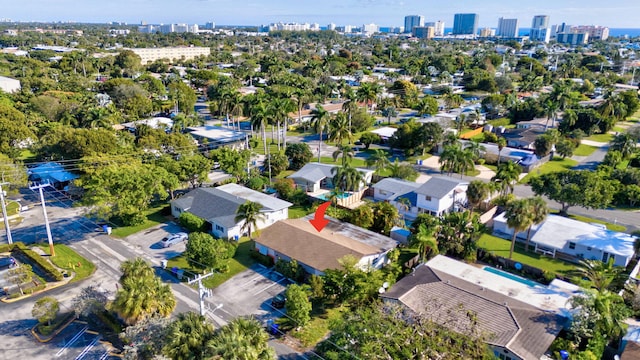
[
  {"x": 413, "y": 21},
  {"x": 465, "y": 24},
  {"x": 507, "y": 28},
  {"x": 149, "y": 55}
]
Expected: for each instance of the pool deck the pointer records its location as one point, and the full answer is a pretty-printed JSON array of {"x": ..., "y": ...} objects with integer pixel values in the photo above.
[{"x": 550, "y": 298}]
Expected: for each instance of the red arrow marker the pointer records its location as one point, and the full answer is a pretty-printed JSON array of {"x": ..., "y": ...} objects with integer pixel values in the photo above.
[{"x": 318, "y": 221}]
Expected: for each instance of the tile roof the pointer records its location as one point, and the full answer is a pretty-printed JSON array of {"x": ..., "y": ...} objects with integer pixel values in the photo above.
[
  {"x": 522, "y": 328},
  {"x": 299, "y": 240},
  {"x": 439, "y": 187}
]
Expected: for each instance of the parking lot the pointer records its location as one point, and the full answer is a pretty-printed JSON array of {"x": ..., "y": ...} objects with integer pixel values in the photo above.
[
  {"x": 149, "y": 242},
  {"x": 248, "y": 293},
  {"x": 77, "y": 342}
]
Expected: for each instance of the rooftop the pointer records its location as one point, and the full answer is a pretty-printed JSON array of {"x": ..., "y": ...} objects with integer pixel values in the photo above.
[
  {"x": 315, "y": 172},
  {"x": 439, "y": 186},
  {"x": 217, "y": 133},
  {"x": 269, "y": 203}
]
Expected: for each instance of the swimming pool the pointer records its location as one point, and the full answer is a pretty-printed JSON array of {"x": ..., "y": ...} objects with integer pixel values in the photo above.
[
  {"x": 518, "y": 154},
  {"x": 511, "y": 276},
  {"x": 326, "y": 196}
]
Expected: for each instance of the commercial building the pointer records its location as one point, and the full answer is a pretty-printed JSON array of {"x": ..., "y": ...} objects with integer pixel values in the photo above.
[
  {"x": 413, "y": 21},
  {"x": 293, "y": 27},
  {"x": 540, "y": 22},
  {"x": 369, "y": 29},
  {"x": 168, "y": 28},
  {"x": 507, "y": 28},
  {"x": 9, "y": 85},
  {"x": 573, "y": 38},
  {"x": 423, "y": 32},
  {"x": 149, "y": 55},
  {"x": 438, "y": 27},
  {"x": 465, "y": 24}
]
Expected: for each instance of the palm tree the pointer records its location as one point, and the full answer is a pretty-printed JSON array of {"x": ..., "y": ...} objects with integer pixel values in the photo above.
[
  {"x": 339, "y": 128},
  {"x": 425, "y": 241},
  {"x": 280, "y": 109},
  {"x": 344, "y": 151},
  {"x": 453, "y": 100},
  {"x": 188, "y": 337},
  {"x": 319, "y": 118},
  {"x": 477, "y": 192},
  {"x": 599, "y": 275},
  {"x": 346, "y": 178},
  {"x": 368, "y": 93},
  {"x": 351, "y": 103},
  {"x": 403, "y": 204},
  {"x": 136, "y": 268},
  {"x": 501, "y": 142},
  {"x": 550, "y": 110},
  {"x": 389, "y": 112},
  {"x": 476, "y": 148},
  {"x": 539, "y": 211},
  {"x": 625, "y": 143},
  {"x": 141, "y": 297},
  {"x": 241, "y": 339},
  {"x": 518, "y": 218},
  {"x": 507, "y": 174},
  {"x": 379, "y": 160},
  {"x": 250, "y": 214},
  {"x": 455, "y": 159},
  {"x": 259, "y": 119}
]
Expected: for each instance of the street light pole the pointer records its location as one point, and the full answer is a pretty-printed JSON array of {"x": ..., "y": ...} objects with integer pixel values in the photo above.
[
  {"x": 202, "y": 291},
  {"x": 46, "y": 218}
]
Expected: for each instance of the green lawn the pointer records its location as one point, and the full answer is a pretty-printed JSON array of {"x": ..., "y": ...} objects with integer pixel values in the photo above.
[
  {"x": 355, "y": 162},
  {"x": 584, "y": 150},
  {"x": 500, "y": 247},
  {"x": 604, "y": 138},
  {"x": 13, "y": 207},
  {"x": 284, "y": 174},
  {"x": 66, "y": 258},
  {"x": 240, "y": 262},
  {"x": 154, "y": 217},
  {"x": 618, "y": 129},
  {"x": 298, "y": 211},
  {"x": 610, "y": 226},
  {"x": 27, "y": 156},
  {"x": 318, "y": 327},
  {"x": 555, "y": 165}
]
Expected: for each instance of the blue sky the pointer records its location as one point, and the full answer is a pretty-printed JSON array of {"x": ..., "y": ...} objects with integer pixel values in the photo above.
[{"x": 614, "y": 13}]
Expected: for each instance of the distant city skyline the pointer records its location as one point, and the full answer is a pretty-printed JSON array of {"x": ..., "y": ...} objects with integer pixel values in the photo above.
[{"x": 386, "y": 13}]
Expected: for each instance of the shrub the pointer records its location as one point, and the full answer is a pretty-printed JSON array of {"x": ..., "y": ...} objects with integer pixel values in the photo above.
[
  {"x": 191, "y": 222},
  {"x": 265, "y": 260},
  {"x": 38, "y": 260},
  {"x": 6, "y": 248},
  {"x": 255, "y": 183}
]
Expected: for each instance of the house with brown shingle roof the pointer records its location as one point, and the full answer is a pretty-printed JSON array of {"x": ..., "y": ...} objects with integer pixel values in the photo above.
[
  {"x": 514, "y": 329},
  {"x": 317, "y": 251}
]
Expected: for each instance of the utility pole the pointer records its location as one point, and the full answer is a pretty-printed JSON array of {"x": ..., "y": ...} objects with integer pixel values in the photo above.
[
  {"x": 44, "y": 211},
  {"x": 201, "y": 290},
  {"x": 5, "y": 216}
]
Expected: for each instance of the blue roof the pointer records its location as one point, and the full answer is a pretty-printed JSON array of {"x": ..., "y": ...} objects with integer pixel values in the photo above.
[
  {"x": 52, "y": 172},
  {"x": 403, "y": 232}
]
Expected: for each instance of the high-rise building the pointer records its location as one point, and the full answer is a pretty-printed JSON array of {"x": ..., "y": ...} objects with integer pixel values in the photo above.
[
  {"x": 540, "y": 30},
  {"x": 411, "y": 21},
  {"x": 331, "y": 26},
  {"x": 573, "y": 38},
  {"x": 438, "y": 27},
  {"x": 507, "y": 28},
  {"x": 369, "y": 29},
  {"x": 540, "y": 22},
  {"x": 465, "y": 24},
  {"x": 595, "y": 32}
]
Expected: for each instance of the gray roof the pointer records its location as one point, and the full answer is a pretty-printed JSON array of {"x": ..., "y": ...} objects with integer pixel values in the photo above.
[
  {"x": 396, "y": 186},
  {"x": 221, "y": 204},
  {"x": 269, "y": 203},
  {"x": 522, "y": 328},
  {"x": 439, "y": 187},
  {"x": 314, "y": 172}
]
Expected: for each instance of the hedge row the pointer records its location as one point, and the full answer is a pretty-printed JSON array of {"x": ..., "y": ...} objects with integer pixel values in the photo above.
[
  {"x": 42, "y": 263},
  {"x": 6, "y": 248}
]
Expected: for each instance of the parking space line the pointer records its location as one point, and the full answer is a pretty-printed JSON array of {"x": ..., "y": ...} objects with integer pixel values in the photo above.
[
  {"x": 274, "y": 284},
  {"x": 88, "y": 348},
  {"x": 71, "y": 342}
]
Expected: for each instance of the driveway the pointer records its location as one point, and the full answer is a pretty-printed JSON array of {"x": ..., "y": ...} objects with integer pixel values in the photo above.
[{"x": 148, "y": 241}]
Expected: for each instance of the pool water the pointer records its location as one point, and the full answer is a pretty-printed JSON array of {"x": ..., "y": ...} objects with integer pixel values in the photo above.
[
  {"x": 511, "y": 276},
  {"x": 326, "y": 196}
]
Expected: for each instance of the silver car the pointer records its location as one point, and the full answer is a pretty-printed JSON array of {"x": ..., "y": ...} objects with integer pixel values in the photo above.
[{"x": 173, "y": 239}]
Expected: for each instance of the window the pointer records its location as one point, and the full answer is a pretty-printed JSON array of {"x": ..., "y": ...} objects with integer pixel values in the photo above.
[
  {"x": 589, "y": 248},
  {"x": 427, "y": 198},
  {"x": 572, "y": 245},
  {"x": 219, "y": 228}
]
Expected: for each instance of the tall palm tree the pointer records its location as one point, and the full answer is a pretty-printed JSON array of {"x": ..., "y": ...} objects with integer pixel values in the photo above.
[
  {"x": 188, "y": 337},
  {"x": 501, "y": 142},
  {"x": 345, "y": 152},
  {"x": 339, "y": 128},
  {"x": 249, "y": 213},
  {"x": 368, "y": 93},
  {"x": 476, "y": 148},
  {"x": 259, "y": 119},
  {"x": 477, "y": 192},
  {"x": 453, "y": 100},
  {"x": 136, "y": 268},
  {"x": 280, "y": 109},
  {"x": 351, "y": 103},
  {"x": 425, "y": 241},
  {"x": 539, "y": 211},
  {"x": 507, "y": 174},
  {"x": 379, "y": 160},
  {"x": 518, "y": 218},
  {"x": 347, "y": 178},
  {"x": 389, "y": 112},
  {"x": 319, "y": 119}
]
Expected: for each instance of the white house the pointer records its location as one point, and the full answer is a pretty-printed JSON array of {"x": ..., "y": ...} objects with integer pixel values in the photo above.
[
  {"x": 438, "y": 196},
  {"x": 576, "y": 239},
  {"x": 218, "y": 206},
  {"x": 317, "y": 251},
  {"x": 315, "y": 176}
]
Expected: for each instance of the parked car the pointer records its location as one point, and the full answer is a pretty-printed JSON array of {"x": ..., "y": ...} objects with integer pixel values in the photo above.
[
  {"x": 278, "y": 301},
  {"x": 7, "y": 262},
  {"x": 173, "y": 239}
]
